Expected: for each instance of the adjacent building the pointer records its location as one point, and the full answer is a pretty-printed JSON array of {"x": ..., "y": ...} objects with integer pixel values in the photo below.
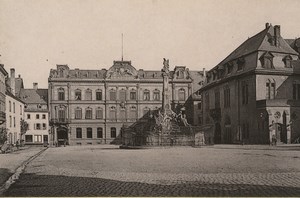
[
  {"x": 36, "y": 114},
  {"x": 254, "y": 93},
  {"x": 3, "y": 74},
  {"x": 14, "y": 110},
  {"x": 91, "y": 106}
]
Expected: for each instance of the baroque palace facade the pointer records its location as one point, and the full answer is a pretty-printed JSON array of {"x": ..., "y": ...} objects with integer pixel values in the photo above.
[
  {"x": 253, "y": 95},
  {"x": 92, "y": 106}
]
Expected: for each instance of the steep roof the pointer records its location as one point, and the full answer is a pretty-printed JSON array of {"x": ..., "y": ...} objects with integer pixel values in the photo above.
[
  {"x": 260, "y": 42},
  {"x": 32, "y": 96}
]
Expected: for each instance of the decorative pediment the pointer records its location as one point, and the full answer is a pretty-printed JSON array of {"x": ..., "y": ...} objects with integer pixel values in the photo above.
[{"x": 121, "y": 69}]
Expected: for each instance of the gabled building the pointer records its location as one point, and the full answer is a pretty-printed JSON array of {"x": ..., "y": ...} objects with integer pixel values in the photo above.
[
  {"x": 36, "y": 113},
  {"x": 254, "y": 93},
  {"x": 92, "y": 106}
]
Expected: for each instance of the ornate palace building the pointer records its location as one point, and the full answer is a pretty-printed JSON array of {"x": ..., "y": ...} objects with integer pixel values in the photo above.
[
  {"x": 92, "y": 106},
  {"x": 253, "y": 95}
]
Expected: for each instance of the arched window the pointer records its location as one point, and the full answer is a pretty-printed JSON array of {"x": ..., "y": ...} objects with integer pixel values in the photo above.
[
  {"x": 98, "y": 94},
  {"x": 77, "y": 94},
  {"x": 287, "y": 61},
  {"x": 146, "y": 95},
  {"x": 113, "y": 132},
  {"x": 270, "y": 89},
  {"x": 88, "y": 94},
  {"x": 88, "y": 113},
  {"x": 156, "y": 94},
  {"x": 99, "y": 113},
  {"x": 112, "y": 95},
  {"x": 181, "y": 94},
  {"x": 62, "y": 114},
  {"x": 89, "y": 132},
  {"x": 61, "y": 94},
  {"x": 78, "y": 113}
]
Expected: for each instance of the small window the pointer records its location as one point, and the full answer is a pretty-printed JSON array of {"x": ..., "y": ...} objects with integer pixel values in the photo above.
[
  {"x": 28, "y": 138},
  {"x": 44, "y": 126},
  {"x": 88, "y": 94},
  {"x": 99, "y": 132},
  {"x": 77, "y": 95},
  {"x": 20, "y": 109},
  {"x": 14, "y": 122},
  {"x": 78, "y": 132},
  {"x": 9, "y": 106},
  {"x": 78, "y": 113},
  {"x": 37, "y": 116},
  {"x": 28, "y": 116},
  {"x": 44, "y": 116},
  {"x": 99, "y": 95},
  {"x": 112, "y": 95},
  {"x": 146, "y": 95},
  {"x": 38, "y": 126},
  {"x": 61, "y": 94},
  {"x": 14, "y": 107},
  {"x": 113, "y": 132},
  {"x": 181, "y": 94},
  {"x": 88, "y": 113},
  {"x": 89, "y": 133},
  {"x": 156, "y": 95},
  {"x": 133, "y": 95}
]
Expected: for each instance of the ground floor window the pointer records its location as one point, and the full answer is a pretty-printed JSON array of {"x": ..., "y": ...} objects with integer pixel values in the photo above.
[
  {"x": 28, "y": 138},
  {"x": 99, "y": 132},
  {"x": 37, "y": 138},
  {"x": 113, "y": 132},
  {"x": 45, "y": 138},
  {"x": 78, "y": 132},
  {"x": 89, "y": 133}
]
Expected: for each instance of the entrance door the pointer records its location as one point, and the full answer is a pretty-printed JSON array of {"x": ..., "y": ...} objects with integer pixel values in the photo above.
[
  {"x": 278, "y": 132},
  {"x": 62, "y": 136},
  {"x": 45, "y": 139},
  {"x": 217, "y": 138}
]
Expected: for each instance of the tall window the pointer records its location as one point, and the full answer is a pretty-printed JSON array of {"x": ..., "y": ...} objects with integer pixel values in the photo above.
[
  {"x": 78, "y": 113},
  {"x": 44, "y": 116},
  {"x": 99, "y": 132},
  {"x": 78, "y": 94},
  {"x": 62, "y": 115},
  {"x": 37, "y": 116},
  {"x": 132, "y": 112},
  {"x": 44, "y": 126},
  {"x": 9, "y": 106},
  {"x": 181, "y": 94},
  {"x": 14, "y": 107},
  {"x": 132, "y": 95},
  {"x": 112, "y": 94},
  {"x": 296, "y": 91},
  {"x": 122, "y": 94},
  {"x": 226, "y": 97},
  {"x": 245, "y": 93},
  {"x": 61, "y": 94},
  {"x": 99, "y": 113},
  {"x": 88, "y": 113},
  {"x": 112, "y": 112},
  {"x": 156, "y": 94},
  {"x": 207, "y": 101},
  {"x": 217, "y": 99},
  {"x": 122, "y": 113},
  {"x": 10, "y": 121},
  {"x": 14, "y": 122},
  {"x": 78, "y": 132},
  {"x": 199, "y": 105},
  {"x": 20, "y": 109},
  {"x": 88, "y": 94},
  {"x": 270, "y": 89},
  {"x": 89, "y": 132},
  {"x": 146, "y": 95},
  {"x": 113, "y": 132},
  {"x": 99, "y": 95}
]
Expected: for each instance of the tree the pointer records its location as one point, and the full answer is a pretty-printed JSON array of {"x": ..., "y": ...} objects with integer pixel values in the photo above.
[
  {"x": 3, "y": 135},
  {"x": 24, "y": 127}
]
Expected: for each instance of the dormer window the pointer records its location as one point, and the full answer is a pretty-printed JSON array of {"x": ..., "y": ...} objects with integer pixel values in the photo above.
[
  {"x": 267, "y": 60},
  {"x": 287, "y": 61},
  {"x": 220, "y": 71},
  {"x": 240, "y": 64},
  {"x": 180, "y": 74},
  {"x": 229, "y": 67}
]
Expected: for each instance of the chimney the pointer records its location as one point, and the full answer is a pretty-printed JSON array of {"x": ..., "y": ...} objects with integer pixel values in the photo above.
[
  {"x": 12, "y": 81},
  {"x": 277, "y": 34},
  {"x": 267, "y": 25},
  {"x": 35, "y": 86},
  {"x": 204, "y": 73}
]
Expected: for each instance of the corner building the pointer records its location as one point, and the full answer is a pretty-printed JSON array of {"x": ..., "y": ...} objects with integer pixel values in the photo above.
[
  {"x": 92, "y": 106},
  {"x": 254, "y": 93}
]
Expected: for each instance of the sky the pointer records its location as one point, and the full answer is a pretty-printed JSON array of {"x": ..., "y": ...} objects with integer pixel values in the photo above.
[{"x": 35, "y": 35}]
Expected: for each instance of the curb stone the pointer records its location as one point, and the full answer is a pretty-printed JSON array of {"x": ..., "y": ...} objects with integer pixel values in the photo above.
[{"x": 12, "y": 179}]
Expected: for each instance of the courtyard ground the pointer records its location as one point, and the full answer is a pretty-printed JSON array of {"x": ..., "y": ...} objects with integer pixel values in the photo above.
[{"x": 106, "y": 170}]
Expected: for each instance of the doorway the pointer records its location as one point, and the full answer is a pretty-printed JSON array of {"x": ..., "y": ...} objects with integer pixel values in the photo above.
[
  {"x": 217, "y": 137},
  {"x": 62, "y": 136}
]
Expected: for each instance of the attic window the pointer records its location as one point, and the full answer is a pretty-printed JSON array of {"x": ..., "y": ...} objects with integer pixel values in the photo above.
[
  {"x": 229, "y": 67},
  {"x": 39, "y": 106},
  {"x": 287, "y": 61},
  {"x": 241, "y": 64},
  {"x": 267, "y": 60}
]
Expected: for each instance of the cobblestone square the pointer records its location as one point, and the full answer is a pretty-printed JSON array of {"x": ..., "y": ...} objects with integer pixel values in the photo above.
[{"x": 106, "y": 170}]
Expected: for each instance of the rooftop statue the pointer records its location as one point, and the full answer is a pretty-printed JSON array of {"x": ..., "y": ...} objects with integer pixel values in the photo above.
[{"x": 166, "y": 66}]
